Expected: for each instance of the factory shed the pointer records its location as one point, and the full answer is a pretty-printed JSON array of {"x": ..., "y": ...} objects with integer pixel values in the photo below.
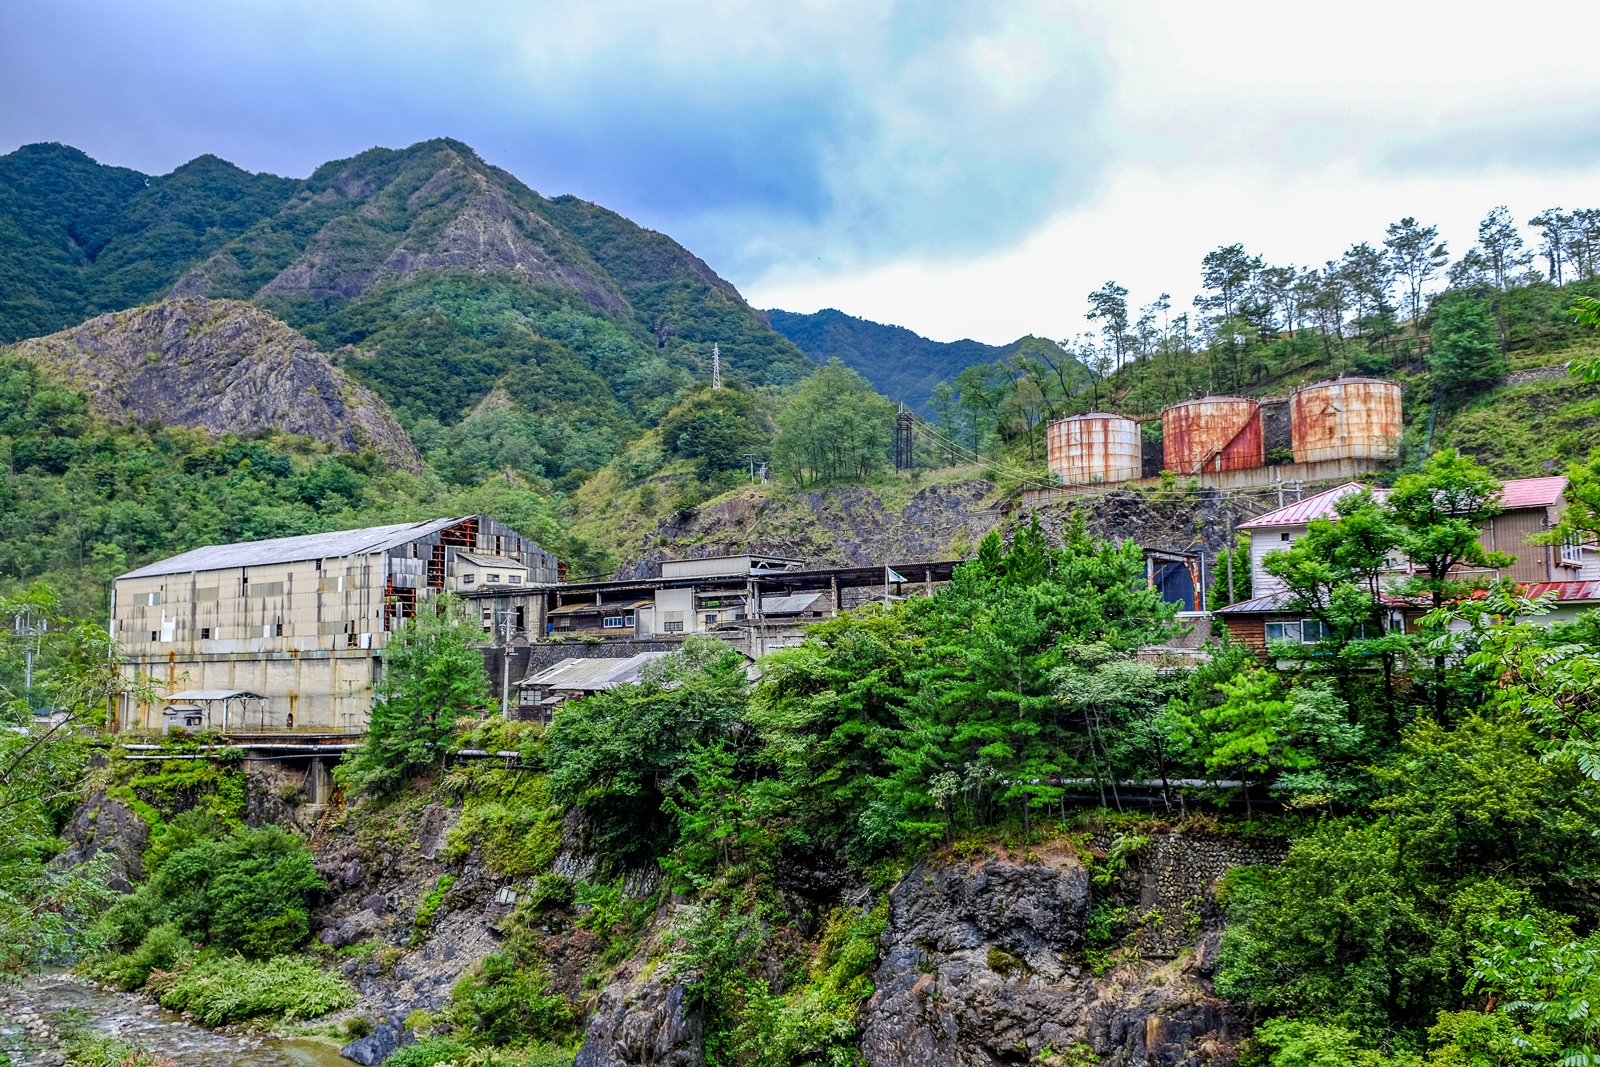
[
  {"x": 300, "y": 622},
  {"x": 541, "y": 693}
]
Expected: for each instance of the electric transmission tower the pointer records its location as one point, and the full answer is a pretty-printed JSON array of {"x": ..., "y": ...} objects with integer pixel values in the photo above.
[
  {"x": 904, "y": 459},
  {"x": 716, "y": 367}
]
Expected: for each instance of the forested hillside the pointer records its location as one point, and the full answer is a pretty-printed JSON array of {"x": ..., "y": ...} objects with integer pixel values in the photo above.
[
  {"x": 901, "y": 365},
  {"x": 436, "y": 278}
]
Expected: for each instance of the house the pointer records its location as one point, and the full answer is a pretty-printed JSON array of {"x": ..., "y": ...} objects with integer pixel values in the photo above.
[
  {"x": 1529, "y": 506},
  {"x": 539, "y": 694},
  {"x": 300, "y": 623}
]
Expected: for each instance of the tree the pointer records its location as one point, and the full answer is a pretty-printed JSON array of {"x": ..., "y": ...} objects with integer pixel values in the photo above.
[
  {"x": 1417, "y": 255},
  {"x": 1440, "y": 512},
  {"x": 1555, "y": 229},
  {"x": 721, "y": 429},
  {"x": 1502, "y": 246},
  {"x": 628, "y": 757},
  {"x": 836, "y": 428},
  {"x": 1108, "y": 306},
  {"x": 1466, "y": 351},
  {"x": 433, "y": 674},
  {"x": 1226, "y": 274}
]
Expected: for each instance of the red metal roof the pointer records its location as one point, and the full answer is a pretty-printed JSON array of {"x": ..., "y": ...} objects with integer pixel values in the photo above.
[
  {"x": 1566, "y": 592},
  {"x": 1533, "y": 492},
  {"x": 1518, "y": 493},
  {"x": 1301, "y": 512}
]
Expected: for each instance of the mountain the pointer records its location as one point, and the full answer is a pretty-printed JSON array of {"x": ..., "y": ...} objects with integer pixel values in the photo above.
[
  {"x": 900, "y": 364},
  {"x": 433, "y": 278},
  {"x": 223, "y": 366}
]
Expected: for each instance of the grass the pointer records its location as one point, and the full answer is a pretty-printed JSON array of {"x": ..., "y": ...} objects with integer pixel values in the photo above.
[{"x": 224, "y": 989}]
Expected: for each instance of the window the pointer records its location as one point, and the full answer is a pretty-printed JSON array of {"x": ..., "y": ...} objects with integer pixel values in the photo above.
[
  {"x": 1312, "y": 631},
  {"x": 614, "y": 622},
  {"x": 514, "y": 579},
  {"x": 205, "y": 633},
  {"x": 208, "y": 592},
  {"x": 491, "y": 577},
  {"x": 710, "y": 619},
  {"x": 331, "y": 585},
  {"x": 267, "y": 589},
  {"x": 1572, "y": 553},
  {"x": 675, "y": 627},
  {"x": 155, "y": 635},
  {"x": 150, "y": 599},
  {"x": 468, "y": 579},
  {"x": 1283, "y": 536},
  {"x": 277, "y": 630},
  {"x": 1306, "y": 631}
]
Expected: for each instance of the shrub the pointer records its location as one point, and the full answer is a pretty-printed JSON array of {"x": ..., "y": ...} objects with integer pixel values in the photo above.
[
  {"x": 223, "y": 989},
  {"x": 427, "y": 1053},
  {"x": 161, "y": 949},
  {"x": 503, "y": 1002},
  {"x": 249, "y": 892}
]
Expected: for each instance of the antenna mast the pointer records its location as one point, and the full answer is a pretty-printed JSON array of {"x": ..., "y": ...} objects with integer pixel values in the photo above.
[{"x": 716, "y": 367}]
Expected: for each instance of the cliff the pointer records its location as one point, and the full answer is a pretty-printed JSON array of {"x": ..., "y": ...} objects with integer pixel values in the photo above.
[{"x": 221, "y": 366}]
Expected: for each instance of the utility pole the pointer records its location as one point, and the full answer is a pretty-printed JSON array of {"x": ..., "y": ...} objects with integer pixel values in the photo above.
[
  {"x": 716, "y": 367},
  {"x": 29, "y": 627},
  {"x": 507, "y": 628}
]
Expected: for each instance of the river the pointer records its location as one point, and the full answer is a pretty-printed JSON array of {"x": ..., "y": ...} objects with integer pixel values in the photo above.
[{"x": 36, "y": 1000}]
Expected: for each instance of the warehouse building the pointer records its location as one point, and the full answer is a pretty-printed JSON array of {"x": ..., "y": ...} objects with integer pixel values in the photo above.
[{"x": 289, "y": 632}]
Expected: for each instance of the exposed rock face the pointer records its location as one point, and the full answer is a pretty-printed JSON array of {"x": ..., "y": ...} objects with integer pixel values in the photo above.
[
  {"x": 641, "y": 1019},
  {"x": 223, "y": 366},
  {"x": 982, "y": 964},
  {"x": 104, "y": 825}
]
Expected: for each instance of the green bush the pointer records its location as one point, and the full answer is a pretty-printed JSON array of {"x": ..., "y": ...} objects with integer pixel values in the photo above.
[
  {"x": 249, "y": 892},
  {"x": 502, "y": 1002},
  {"x": 161, "y": 949},
  {"x": 428, "y": 1053},
  {"x": 222, "y": 989}
]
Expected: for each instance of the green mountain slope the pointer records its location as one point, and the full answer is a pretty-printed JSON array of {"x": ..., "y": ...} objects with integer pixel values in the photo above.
[
  {"x": 900, "y": 364},
  {"x": 477, "y": 309},
  {"x": 78, "y": 238}
]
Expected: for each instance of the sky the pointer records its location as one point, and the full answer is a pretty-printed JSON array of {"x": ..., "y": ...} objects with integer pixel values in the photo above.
[{"x": 963, "y": 169}]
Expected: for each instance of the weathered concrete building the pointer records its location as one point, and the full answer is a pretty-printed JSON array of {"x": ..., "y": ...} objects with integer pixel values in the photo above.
[{"x": 301, "y": 622}]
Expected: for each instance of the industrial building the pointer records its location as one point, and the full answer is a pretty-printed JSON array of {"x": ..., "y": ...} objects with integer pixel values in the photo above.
[
  {"x": 290, "y": 631},
  {"x": 1331, "y": 430}
]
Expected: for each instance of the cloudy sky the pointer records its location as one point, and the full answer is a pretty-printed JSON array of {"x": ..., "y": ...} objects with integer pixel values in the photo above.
[{"x": 964, "y": 169}]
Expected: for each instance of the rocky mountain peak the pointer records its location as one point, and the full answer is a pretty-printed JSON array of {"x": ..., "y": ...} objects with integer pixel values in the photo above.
[{"x": 223, "y": 366}]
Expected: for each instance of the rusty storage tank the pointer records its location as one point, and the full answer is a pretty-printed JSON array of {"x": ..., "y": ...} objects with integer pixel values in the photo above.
[
  {"x": 1346, "y": 418},
  {"x": 1094, "y": 449},
  {"x": 1214, "y": 433}
]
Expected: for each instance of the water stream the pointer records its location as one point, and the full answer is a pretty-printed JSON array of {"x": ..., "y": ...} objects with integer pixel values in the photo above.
[{"x": 26, "y": 1008}]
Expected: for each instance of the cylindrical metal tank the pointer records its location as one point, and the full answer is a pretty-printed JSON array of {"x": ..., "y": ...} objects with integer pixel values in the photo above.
[
  {"x": 1094, "y": 449},
  {"x": 1215, "y": 433},
  {"x": 1346, "y": 418}
]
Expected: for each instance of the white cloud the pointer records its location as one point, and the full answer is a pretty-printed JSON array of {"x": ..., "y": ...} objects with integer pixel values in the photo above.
[{"x": 1296, "y": 129}]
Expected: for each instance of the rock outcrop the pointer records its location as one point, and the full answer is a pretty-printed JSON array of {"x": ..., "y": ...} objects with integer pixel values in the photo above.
[
  {"x": 982, "y": 963},
  {"x": 219, "y": 365},
  {"x": 103, "y": 825},
  {"x": 642, "y": 1018}
]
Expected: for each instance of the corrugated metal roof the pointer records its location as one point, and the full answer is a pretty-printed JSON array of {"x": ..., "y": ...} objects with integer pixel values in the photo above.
[
  {"x": 591, "y": 674},
  {"x": 1533, "y": 492},
  {"x": 1259, "y": 606},
  {"x": 1302, "y": 512},
  {"x": 1566, "y": 592},
  {"x": 489, "y": 561},
  {"x": 293, "y": 549},
  {"x": 792, "y": 604}
]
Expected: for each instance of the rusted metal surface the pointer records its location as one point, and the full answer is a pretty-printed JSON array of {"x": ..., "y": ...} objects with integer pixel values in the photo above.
[
  {"x": 1346, "y": 418},
  {"x": 1094, "y": 449},
  {"x": 1216, "y": 433}
]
